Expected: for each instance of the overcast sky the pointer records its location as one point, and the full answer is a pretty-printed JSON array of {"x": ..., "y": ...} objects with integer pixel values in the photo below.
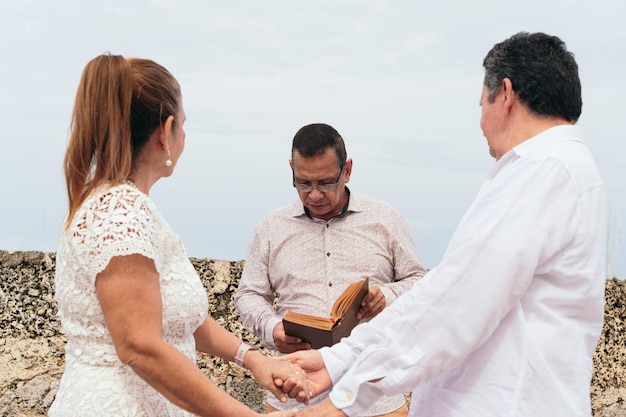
[{"x": 399, "y": 79}]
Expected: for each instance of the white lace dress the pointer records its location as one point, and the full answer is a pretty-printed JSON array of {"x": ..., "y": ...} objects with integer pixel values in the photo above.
[{"x": 112, "y": 222}]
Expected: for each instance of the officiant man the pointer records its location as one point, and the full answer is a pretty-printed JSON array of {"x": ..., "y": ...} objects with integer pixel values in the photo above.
[{"x": 307, "y": 252}]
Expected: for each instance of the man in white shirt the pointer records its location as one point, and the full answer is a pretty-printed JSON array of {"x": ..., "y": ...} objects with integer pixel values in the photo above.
[{"x": 507, "y": 323}]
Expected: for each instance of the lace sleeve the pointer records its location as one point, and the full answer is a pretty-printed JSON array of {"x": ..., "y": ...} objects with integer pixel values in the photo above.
[{"x": 117, "y": 223}]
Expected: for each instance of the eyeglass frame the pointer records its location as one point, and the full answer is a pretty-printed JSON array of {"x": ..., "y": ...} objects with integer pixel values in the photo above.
[{"x": 329, "y": 187}]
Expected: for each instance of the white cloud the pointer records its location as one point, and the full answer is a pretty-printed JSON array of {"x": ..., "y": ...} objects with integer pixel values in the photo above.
[{"x": 400, "y": 80}]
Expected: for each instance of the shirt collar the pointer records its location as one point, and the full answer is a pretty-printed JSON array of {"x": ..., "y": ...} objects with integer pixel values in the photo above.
[
  {"x": 549, "y": 136},
  {"x": 353, "y": 205},
  {"x": 554, "y": 134}
]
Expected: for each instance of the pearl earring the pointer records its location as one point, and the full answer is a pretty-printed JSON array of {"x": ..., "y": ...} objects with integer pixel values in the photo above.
[{"x": 168, "y": 163}]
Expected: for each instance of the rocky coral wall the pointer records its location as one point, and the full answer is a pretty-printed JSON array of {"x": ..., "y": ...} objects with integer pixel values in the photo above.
[{"x": 31, "y": 343}]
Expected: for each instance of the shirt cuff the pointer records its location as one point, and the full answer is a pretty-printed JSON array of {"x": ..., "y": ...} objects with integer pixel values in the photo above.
[
  {"x": 337, "y": 360},
  {"x": 268, "y": 339},
  {"x": 351, "y": 393},
  {"x": 390, "y": 297},
  {"x": 352, "y": 398}
]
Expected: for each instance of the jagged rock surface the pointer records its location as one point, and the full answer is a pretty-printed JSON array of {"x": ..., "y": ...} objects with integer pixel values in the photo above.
[{"x": 32, "y": 356}]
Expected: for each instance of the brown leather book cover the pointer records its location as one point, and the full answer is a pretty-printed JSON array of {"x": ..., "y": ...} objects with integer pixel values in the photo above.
[{"x": 326, "y": 331}]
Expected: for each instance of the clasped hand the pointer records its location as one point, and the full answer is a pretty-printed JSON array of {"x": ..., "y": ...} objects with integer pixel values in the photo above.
[
  {"x": 315, "y": 377},
  {"x": 282, "y": 378},
  {"x": 316, "y": 381},
  {"x": 300, "y": 375}
]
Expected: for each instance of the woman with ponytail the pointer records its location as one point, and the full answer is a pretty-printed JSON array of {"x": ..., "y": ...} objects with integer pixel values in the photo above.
[{"x": 130, "y": 302}]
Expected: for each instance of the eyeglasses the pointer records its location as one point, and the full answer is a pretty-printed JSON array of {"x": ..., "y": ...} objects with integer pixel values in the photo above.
[{"x": 307, "y": 187}]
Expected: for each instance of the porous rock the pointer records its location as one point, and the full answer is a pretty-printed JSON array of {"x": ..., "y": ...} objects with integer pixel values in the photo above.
[{"x": 32, "y": 342}]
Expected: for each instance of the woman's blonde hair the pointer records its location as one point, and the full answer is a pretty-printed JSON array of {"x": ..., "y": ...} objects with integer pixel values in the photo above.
[{"x": 119, "y": 104}]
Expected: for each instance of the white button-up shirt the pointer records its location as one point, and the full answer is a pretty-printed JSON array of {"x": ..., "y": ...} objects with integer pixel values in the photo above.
[{"x": 507, "y": 323}]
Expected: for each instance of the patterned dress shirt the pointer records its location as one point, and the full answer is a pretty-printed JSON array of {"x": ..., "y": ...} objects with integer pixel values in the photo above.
[{"x": 307, "y": 263}]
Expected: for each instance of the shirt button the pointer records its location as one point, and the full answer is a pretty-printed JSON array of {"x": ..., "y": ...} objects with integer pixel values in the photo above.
[
  {"x": 330, "y": 284},
  {"x": 327, "y": 253},
  {"x": 349, "y": 396}
]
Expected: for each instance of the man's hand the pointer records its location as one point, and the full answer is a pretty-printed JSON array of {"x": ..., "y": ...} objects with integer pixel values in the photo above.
[
  {"x": 281, "y": 378},
  {"x": 287, "y": 344},
  {"x": 323, "y": 409},
  {"x": 373, "y": 303},
  {"x": 312, "y": 363}
]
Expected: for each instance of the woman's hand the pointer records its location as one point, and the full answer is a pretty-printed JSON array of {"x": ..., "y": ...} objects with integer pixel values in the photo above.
[
  {"x": 282, "y": 378},
  {"x": 317, "y": 377}
]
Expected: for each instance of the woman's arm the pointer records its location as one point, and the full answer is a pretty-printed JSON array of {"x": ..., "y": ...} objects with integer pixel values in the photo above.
[
  {"x": 212, "y": 338},
  {"x": 129, "y": 293}
]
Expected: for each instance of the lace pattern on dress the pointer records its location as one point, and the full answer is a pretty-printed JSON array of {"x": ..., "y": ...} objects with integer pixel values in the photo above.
[{"x": 119, "y": 221}]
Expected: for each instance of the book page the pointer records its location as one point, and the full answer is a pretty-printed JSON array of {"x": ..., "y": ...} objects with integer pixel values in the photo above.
[
  {"x": 311, "y": 321},
  {"x": 345, "y": 299}
]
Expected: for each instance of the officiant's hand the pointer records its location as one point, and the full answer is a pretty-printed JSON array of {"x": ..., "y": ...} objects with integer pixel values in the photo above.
[
  {"x": 373, "y": 303},
  {"x": 287, "y": 344}
]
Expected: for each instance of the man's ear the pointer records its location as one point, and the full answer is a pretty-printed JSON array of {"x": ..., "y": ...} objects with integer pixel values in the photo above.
[
  {"x": 509, "y": 95},
  {"x": 347, "y": 170}
]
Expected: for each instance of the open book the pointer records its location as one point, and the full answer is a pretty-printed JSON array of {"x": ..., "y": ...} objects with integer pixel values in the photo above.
[{"x": 326, "y": 331}]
